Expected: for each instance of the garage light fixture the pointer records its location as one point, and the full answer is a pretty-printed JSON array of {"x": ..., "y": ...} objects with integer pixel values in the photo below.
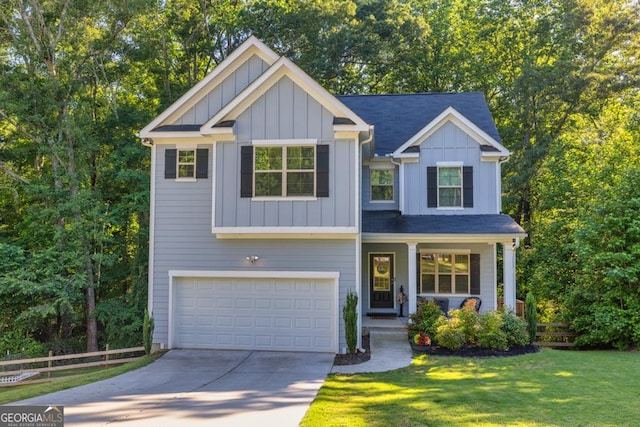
[{"x": 253, "y": 258}]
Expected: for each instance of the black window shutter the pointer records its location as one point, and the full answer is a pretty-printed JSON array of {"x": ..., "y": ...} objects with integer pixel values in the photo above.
[
  {"x": 202, "y": 163},
  {"x": 432, "y": 187},
  {"x": 322, "y": 171},
  {"x": 467, "y": 186},
  {"x": 170, "y": 163},
  {"x": 419, "y": 276},
  {"x": 246, "y": 171},
  {"x": 475, "y": 274}
]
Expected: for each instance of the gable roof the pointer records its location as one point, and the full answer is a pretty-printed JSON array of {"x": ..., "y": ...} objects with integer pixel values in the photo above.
[
  {"x": 399, "y": 118},
  {"x": 251, "y": 46},
  {"x": 347, "y": 119}
]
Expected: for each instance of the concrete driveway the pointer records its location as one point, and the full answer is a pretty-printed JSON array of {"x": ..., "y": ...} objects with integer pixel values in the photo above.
[{"x": 200, "y": 388}]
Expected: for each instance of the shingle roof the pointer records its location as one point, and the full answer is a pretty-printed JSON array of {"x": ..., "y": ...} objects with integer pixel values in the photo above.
[
  {"x": 393, "y": 222},
  {"x": 399, "y": 117}
]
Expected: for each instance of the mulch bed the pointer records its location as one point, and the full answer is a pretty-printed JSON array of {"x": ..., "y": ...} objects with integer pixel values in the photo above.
[
  {"x": 357, "y": 357},
  {"x": 478, "y": 351}
]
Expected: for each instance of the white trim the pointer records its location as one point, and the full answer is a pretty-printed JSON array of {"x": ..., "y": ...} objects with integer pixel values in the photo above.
[
  {"x": 254, "y": 274},
  {"x": 358, "y": 275},
  {"x": 378, "y": 166},
  {"x": 214, "y": 155},
  {"x": 152, "y": 227},
  {"x": 401, "y": 187},
  {"x": 438, "y": 238},
  {"x": 252, "y": 46},
  {"x": 281, "y": 142},
  {"x": 448, "y": 251},
  {"x": 283, "y": 198},
  {"x": 393, "y": 184},
  {"x": 412, "y": 279},
  {"x": 449, "y": 164},
  {"x": 251, "y": 274},
  {"x": 285, "y": 232},
  {"x": 451, "y": 115},
  {"x": 281, "y": 68}
]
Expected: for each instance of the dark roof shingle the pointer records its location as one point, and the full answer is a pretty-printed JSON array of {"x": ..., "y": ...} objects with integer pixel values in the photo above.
[{"x": 396, "y": 118}]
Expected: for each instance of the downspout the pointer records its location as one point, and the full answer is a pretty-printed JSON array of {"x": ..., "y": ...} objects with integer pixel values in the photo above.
[
  {"x": 359, "y": 244},
  {"x": 499, "y": 181}
]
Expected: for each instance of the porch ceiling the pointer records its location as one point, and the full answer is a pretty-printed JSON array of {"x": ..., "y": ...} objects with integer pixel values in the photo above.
[{"x": 392, "y": 225}]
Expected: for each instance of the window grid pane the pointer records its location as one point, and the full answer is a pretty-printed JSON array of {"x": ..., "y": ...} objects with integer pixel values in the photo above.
[
  {"x": 450, "y": 186},
  {"x": 444, "y": 274},
  {"x": 186, "y": 163},
  {"x": 284, "y": 171}
]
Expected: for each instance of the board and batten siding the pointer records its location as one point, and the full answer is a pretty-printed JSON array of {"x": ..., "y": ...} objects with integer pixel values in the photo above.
[
  {"x": 183, "y": 241},
  {"x": 451, "y": 144},
  {"x": 286, "y": 112},
  {"x": 213, "y": 102}
]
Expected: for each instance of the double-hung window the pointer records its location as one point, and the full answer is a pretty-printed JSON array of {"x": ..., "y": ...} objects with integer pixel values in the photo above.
[
  {"x": 450, "y": 186},
  {"x": 186, "y": 163},
  {"x": 445, "y": 273},
  {"x": 381, "y": 185},
  {"x": 284, "y": 171}
]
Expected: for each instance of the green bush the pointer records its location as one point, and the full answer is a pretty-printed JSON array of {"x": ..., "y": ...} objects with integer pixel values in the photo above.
[
  {"x": 18, "y": 343},
  {"x": 148, "y": 326},
  {"x": 424, "y": 319},
  {"x": 450, "y": 335},
  {"x": 531, "y": 316},
  {"x": 490, "y": 332},
  {"x": 515, "y": 329},
  {"x": 350, "y": 316}
]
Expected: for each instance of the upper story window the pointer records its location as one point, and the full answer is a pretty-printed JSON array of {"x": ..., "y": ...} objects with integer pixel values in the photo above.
[
  {"x": 186, "y": 163},
  {"x": 450, "y": 186},
  {"x": 382, "y": 185},
  {"x": 284, "y": 168},
  {"x": 284, "y": 171}
]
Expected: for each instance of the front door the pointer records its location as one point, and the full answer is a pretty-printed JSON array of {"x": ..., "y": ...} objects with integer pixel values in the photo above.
[{"x": 381, "y": 276}]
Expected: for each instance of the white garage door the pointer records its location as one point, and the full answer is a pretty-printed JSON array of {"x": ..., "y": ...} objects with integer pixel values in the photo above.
[{"x": 255, "y": 314}]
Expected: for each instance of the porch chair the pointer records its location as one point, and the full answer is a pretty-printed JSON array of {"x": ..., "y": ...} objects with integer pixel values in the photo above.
[{"x": 477, "y": 302}]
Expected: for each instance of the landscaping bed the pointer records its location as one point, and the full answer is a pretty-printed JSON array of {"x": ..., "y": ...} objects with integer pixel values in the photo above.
[
  {"x": 474, "y": 351},
  {"x": 357, "y": 357}
]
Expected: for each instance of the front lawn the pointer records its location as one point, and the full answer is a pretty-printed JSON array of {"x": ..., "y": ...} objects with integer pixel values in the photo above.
[{"x": 551, "y": 388}]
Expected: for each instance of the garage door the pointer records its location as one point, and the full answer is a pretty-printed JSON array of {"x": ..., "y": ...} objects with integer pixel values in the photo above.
[{"x": 255, "y": 314}]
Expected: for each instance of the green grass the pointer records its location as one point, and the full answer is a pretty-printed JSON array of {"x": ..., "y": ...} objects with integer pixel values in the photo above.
[
  {"x": 76, "y": 378},
  {"x": 551, "y": 388}
]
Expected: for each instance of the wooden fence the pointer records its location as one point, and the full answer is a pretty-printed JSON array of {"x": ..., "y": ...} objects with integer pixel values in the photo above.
[
  {"x": 14, "y": 372},
  {"x": 555, "y": 335}
]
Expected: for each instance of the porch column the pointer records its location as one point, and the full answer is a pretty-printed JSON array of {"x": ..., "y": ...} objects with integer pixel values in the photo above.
[
  {"x": 509, "y": 274},
  {"x": 412, "y": 284}
]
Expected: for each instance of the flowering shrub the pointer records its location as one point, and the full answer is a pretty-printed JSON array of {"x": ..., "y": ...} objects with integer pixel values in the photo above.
[{"x": 422, "y": 339}]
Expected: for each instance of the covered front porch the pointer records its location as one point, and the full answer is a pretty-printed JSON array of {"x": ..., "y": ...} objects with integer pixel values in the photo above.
[{"x": 406, "y": 259}]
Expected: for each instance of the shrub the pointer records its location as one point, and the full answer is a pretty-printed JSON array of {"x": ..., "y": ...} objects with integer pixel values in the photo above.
[
  {"x": 490, "y": 333},
  {"x": 515, "y": 329},
  {"x": 531, "y": 316},
  {"x": 424, "y": 319},
  {"x": 148, "y": 325},
  {"x": 350, "y": 316},
  {"x": 451, "y": 336},
  {"x": 17, "y": 342}
]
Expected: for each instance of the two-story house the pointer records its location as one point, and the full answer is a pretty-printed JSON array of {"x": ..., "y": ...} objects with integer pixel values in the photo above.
[{"x": 271, "y": 199}]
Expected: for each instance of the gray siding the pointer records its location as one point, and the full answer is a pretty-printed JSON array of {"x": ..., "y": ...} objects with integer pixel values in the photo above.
[
  {"x": 292, "y": 114},
  {"x": 183, "y": 241},
  {"x": 208, "y": 106},
  {"x": 450, "y": 144},
  {"x": 487, "y": 271},
  {"x": 367, "y": 204}
]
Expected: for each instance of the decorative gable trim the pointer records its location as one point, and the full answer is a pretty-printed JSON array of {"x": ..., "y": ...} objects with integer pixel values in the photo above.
[
  {"x": 252, "y": 46},
  {"x": 281, "y": 68},
  {"x": 494, "y": 148}
]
